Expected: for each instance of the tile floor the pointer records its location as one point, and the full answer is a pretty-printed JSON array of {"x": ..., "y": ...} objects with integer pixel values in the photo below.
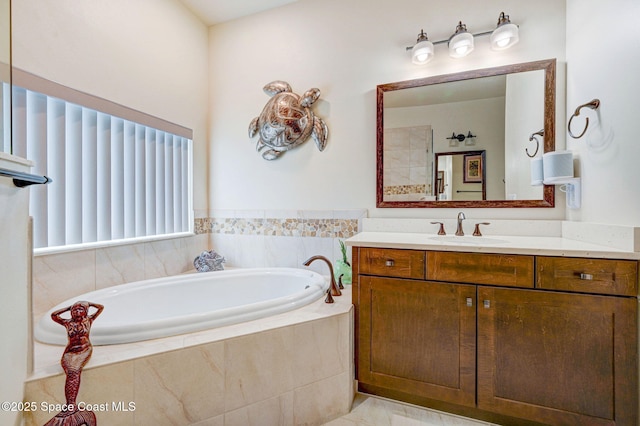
[{"x": 374, "y": 411}]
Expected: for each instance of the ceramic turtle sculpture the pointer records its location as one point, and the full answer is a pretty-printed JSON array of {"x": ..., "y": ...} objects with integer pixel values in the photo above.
[{"x": 287, "y": 121}]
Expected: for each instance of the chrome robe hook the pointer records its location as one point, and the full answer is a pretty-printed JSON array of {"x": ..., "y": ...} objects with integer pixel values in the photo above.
[
  {"x": 533, "y": 138},
  {"x": 594, "y": 104}
]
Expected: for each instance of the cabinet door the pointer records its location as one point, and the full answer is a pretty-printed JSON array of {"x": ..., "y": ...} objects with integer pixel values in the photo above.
[
  {"x": 418, "y": 338},
  {"x": 558, "y": 358}
]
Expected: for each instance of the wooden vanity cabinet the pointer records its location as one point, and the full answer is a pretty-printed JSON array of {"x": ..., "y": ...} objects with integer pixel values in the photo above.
[
  {"x": 418, "y": 337},
  {"x": 557, "y": 358},
  {"x": 512, "y": 339}
]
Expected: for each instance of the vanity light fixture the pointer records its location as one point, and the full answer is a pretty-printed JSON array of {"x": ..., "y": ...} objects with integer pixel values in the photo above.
[
  {"x": 461, "y": 43},
  {"x": 422, "y": 51},
  {"x": 505, "y": 35},
  {"x": 455, "y": 139}
]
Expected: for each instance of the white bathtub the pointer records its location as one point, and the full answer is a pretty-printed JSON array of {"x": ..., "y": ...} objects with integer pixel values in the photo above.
[{"x": 181, "y": 304}]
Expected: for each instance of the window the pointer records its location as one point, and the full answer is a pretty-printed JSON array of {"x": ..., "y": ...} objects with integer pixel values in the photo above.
[{"x": 114, "y": 179}]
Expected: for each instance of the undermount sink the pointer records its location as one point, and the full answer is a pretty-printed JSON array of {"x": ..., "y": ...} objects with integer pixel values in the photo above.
[{"x": 467, "y": 239}]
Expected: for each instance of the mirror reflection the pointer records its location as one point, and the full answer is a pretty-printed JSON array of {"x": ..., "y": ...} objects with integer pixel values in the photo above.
[
  {"x": 460, "y": 176},
  {"x": 424, "y": 124}
]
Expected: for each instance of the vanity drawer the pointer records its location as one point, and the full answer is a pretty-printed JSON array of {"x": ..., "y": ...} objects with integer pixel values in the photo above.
[
  {"x": 602, "y": 276},
  {"x": 481, "y": 268},
  {"x": 392, "y": 262}
]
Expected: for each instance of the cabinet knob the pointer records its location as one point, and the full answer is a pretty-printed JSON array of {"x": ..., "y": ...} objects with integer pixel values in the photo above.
[
  {"x": 487, "y": 304},
  {"x": 469, "y": 301},
  {"x": 390, "y": 262},
  {"x": 588, "y": 277}
]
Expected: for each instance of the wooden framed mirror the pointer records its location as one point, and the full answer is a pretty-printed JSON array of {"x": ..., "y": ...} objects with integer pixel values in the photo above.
[{"x": 495, "y": 110}]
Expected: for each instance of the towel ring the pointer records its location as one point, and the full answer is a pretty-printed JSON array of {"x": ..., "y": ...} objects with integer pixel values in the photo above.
[
  {"x": 533, "y": 138},
  {"x": 594, "y": 104}
]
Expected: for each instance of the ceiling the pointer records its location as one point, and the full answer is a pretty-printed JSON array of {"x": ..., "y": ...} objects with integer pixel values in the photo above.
[{"x": 213, "y": 12}]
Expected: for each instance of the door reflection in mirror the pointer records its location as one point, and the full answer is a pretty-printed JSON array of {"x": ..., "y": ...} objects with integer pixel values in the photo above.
[{"x": 460, "y": 176}]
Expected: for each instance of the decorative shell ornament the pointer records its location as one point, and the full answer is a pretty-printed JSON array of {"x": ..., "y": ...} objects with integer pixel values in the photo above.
[
  {"x": 287, "y": 121},
  {"x": 209, "y": 261}
]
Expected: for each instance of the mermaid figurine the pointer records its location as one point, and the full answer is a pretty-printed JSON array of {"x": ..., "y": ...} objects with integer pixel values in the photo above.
[{"x": 74, "y": 358}]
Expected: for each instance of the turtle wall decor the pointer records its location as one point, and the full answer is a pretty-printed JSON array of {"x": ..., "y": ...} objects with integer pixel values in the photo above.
[{"x": 287, "y": 121}]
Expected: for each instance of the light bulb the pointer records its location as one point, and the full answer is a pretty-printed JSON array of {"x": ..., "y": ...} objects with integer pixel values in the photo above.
[
  {"x": 505, "y": 35},
  {"x": 422, "y": 52},
  {"x": 462, "y": 50},
  {"x": 461, "y": 42}
]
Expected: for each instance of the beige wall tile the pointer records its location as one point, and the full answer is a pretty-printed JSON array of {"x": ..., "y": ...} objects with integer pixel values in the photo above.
[
  {"x": 276, "y": 411},
  {"x": 213, "y": 421},
  {"x": 110, "y": 386},
  {"x": 48, "y": 391},
  {"x": 180, "y": 387},
  {"x": 163, "y": 258},
  {"x": 258, "y": 367},
  {"x": 325, "y": 351},
  {"x": 58, "y": 277},
  {"x": 322, "y": 401},
  {"x": 119, "y": 265},
  {"x": 102, "y": 386}
]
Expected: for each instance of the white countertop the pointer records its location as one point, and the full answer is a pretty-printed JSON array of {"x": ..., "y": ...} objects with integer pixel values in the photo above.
[{"x": 549, "y": 246}]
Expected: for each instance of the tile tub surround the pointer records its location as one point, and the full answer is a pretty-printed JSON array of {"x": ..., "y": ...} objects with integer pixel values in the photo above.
[
  {"x": 246, "y": 238},
  {"x": 292, "y": 368},
  {"x": 61, "y": 276},
  {"x": 408, "y": 153},
  {"x": 285, "y": 238}
]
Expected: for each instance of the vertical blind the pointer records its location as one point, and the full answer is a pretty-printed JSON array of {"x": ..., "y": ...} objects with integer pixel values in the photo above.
[{"x": 113, "y": 179}]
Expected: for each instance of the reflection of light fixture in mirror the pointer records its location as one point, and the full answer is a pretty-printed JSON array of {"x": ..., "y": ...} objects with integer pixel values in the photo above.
[
  {"x": 461, "y": 42},
  {"x": 505, "y": 35},
  {"x": 454, "y": 139},
  {"x": 422, "y": 52}
]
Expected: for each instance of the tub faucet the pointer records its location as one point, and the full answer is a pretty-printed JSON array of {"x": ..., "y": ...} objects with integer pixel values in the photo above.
[
  {"x": 459, "y": 231},
  {"x": 333, "y": 288}
]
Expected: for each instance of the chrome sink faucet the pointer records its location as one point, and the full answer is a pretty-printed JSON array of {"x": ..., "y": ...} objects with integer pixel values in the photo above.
[{"x": 459, "y": 231}]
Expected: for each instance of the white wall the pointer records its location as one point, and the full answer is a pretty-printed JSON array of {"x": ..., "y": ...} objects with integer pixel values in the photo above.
[
  {"x": 346, "y": 48},
  {"x": 149, "y": 55},
  {"x": 603, "y": 41},
  {"x": 14, "y": 256}
]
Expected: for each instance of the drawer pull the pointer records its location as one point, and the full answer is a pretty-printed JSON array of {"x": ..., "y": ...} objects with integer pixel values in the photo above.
[
  {"x": 587, "y": 277},
  {"x": 390, "y": 262},
  {"x": 469, "y": 302}
]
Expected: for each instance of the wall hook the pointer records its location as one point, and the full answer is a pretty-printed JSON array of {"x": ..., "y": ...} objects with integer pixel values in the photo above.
[
  {"x": 533, "y": 138},
  {"x": 594, "y": 104}
]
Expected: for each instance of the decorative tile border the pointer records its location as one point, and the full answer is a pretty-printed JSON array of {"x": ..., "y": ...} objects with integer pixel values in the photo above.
[
  {"x": 286, "y": 227},
  {"x": 405, "y": 189}
]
